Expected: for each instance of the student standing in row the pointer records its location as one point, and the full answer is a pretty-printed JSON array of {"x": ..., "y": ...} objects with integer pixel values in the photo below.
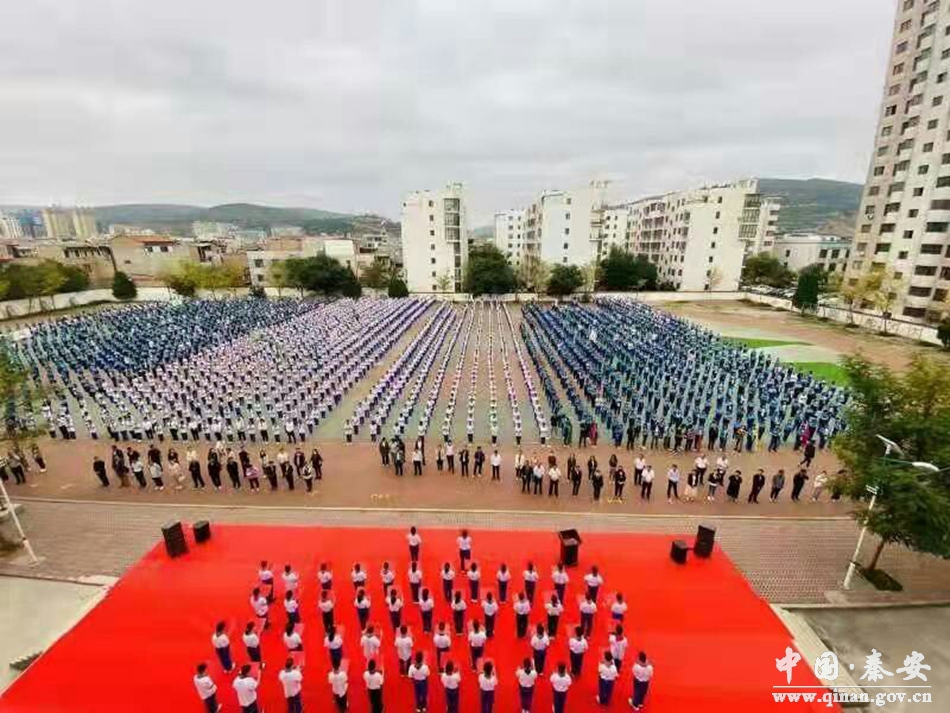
[
  {"x": 522, "y": 609},
  {"x": 448, "y": 576},
  {"x": 526, "y": 676},
  {"x": 606, "y": 675},
  {"x": 503, "y": 576},
  {"x": 222, "y": 646},
  {"x": 333, "y": 642},
  {"x": 487, "y": 682},
  {"x": 450, "y": 682},
  {"x": 414, "y": 541},
  {"x": 642, "y": 675},
  {"x": 292, "y": 680},
  {"x": 419, "y": 673},
  {"x": 246, "y": 687},
  {"x": 403, "y": 643},
  {"x": 252, "y": 643},
  {"x": 338, "y": 685},
  {"x": 560, "y": 683},
  {"x": 443, "y": 642},
  {"x": 374, "y": 686},
  {"x": 426, "y": 604},
  {"x": 539, "y": 647},
  {"x": 578, "y": 647},
  {"x": 207, "y": 690},
  {"x": 489, "y": 609}
]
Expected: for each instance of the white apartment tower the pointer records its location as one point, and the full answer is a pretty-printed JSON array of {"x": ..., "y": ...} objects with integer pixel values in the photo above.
[
  {"x": 698, "y": 238},
  {"x": 435, "y": 239},
  {"x": 904, "y": 220},
  {"x": 564, "y": 227},
  {"x": 510, "y": 235}
]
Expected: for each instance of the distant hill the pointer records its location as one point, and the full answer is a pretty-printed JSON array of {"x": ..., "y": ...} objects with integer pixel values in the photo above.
[
  {"x": 814, "y": 205},
  {"x": 178, "y": 218}
]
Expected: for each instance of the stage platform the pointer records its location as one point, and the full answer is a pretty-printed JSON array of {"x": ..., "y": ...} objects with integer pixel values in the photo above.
[{"x": 712, "y": 640}]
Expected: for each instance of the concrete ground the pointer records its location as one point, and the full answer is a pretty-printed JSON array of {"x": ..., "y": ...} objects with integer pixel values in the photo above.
[
  {"x": 895, "y": 633},
  {"x": 36, "y": 612}
]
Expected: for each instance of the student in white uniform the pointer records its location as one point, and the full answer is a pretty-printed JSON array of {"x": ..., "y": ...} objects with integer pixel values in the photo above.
[
  {"x": 373, "y": 678},
  {"x": 476, "y": 643},
  {"x": 339, "y": 685},
  {"x": 426, "y": 604},
  {"x": 252, "y": 643},
  {"x": 503, "y": 576},
  {"x": 266, "y": 577},
  {"x": 222, "y": 646},
  {"x": 292, "y": 607},
  {"x": 588, "y": 607},
  {"x": 464, "y": 542},
  {"x": 448, "y": 578},
  {"x": 487, "y": 682},
  {"x": 325, "y": 576},
  {"x": 403, "y": 643},
  {"x": 292, "y": 639},
  {"x": 326, "y": 606},
  {"x": 522, "y": 609},
  {"x": 606, "y": 675},
  {"x": 414, "y": 541},
  {"x": 358, "y": 576},
  {"x": 362, "y": 605},
  {"x": 594, "y": 581},
  {"x": 560, "y": 683},
  {"x": 618, "y": 609},
  {"x": 333, "y": 643},
  {"x": 370, "y": 643},
  {"x": 554, "y": 608},
  {"x": 443, "y": 642},
  {"x": 260, "y": 607},
  {"x": 292, "y": 680},
  {"x": 642, "y": 675},
  {"x": 526, "y": 676},
  {"x": 530, "y": 575},
  {"x": 394, "y": 603},
  {"x": 560, "y": 578},
  {"x": 450, "y": 682},
  {"x": 388, "y": 576},
  {"x": 246, "y": 687},
  {"x": 539, "y": 647},
  {"x": 489, "y": 609},
  {"x": 291, "y": 578},
  {"x": 207, "y": 690},
  {"x": 474, "y": 578},
  {"x": 578, "y": 647},
  {"x": 419, "y": 674},
  {"x": 458, "y": 613},
  {"x": 618, "y": 646}
]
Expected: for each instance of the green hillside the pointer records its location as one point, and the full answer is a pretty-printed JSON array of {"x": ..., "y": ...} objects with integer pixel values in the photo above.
[
  {"x": 178, "y": 218},
  {"x": 814, "y": 204}
]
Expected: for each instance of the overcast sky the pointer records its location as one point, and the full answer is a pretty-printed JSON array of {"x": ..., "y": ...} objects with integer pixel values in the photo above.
[{"x": 347, "y": 105}]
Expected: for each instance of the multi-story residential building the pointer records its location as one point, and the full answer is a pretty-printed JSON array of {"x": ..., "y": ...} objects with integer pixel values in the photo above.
[
  {"x": 799, "y": 250},
  {"x": 207, "y": 230},
  {"x": 435, "y": 239},
  {"x": 10, "y": 228},
  {"x": 510, "y": 235},
  {"x": 767, "y": 229},
  {"x": 697, "y": 238},
  {"x": 92, "y": 257},
  {"x": 564, "y": 227},
  {"x": 145, "y": 257},
  {"x": 65, "y": 223},
  {"x": 904, "y": 221},
  {"x": 615, "y": 231}
]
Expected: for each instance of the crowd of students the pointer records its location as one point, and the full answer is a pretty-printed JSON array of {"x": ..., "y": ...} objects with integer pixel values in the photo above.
[{"x": 424, "y": 650}]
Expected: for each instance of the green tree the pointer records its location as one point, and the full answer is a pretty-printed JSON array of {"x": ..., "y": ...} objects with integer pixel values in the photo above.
[
  {"x": 808, "y": 288},
  {"x": 943, "y": 332},
  {"x": 349, "y": 285},
  {"x": 881, "y": 290},
  {"x": 565, "y": 280},
  {"x": 621, "y": 271},
  {"x": 765, "y": 269},
  {"x": 377, "y": 274},
  {"x": 488, "y": 272},
  {"x": 913, "y": 410},
  {"x": 397, "y": 287},
  {"x": 534, "y": 273},
  {"x": 122, "y": 286},
  {"x": 21, "y": 399},
  {"x": 182, "y": 280}
]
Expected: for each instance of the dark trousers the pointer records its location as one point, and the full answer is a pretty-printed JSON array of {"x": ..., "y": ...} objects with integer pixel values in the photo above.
[
  {"x": 672, "y": 490},
  {"x": 639, "y": 692},
  {"x": 340, "y": 702},
  {"x": 458, "y": 621},
  {"x": 211, "y": 703},
  {"x": 587, "y": 624},
  {"x": 775, "y": 493},
  {"x": 646, "y": 490},
  {"x": 224, "y": 656},
  {"x": 560, "y": 700},
  {"x": 427, "y": 622},
  {"x": 525, "y": 696},
  {"x": 575, "y": 487},
  {"x": 526, "y": 485},
  {"x": 503, "y": 592},
  {"x": 521, "y": 625},
  {"x": 450, "y": 460},
  {"x": 496, "y": 472},
  {"x": 451, "y": 700},
  {"x": 538, "y": 482},
  {"x": 605, "y": 690},
  {"x": 376, "y": 700},
  {"x": 294, "y": 704},
  {"x": 416, "y": 467},
  {"x": 577, "y": 662},
  {"x": 539, "y": 657},
  {"x": 553, "y": 488},
  {"x": 618, "y": 490}
]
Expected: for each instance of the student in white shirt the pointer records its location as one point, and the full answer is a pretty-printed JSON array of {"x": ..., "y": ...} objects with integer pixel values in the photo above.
[
  {"x": 560, "y": 683},
  {"x": 642, "y": 675},
  {"x": 618, "y": 609},
  {"x": 560, "y": 578},
  {"x": 374, "y": 686},
  {"x": 503, "y": 576},
  {"x": 448, "y": 577},
  {"x": 474, "y": 577},
  {"x": 578, "y": 647},
  {"x": 291, "y": 578},
  {"x": 325, "y": 576},
  {"x": 266, "y": 577},
  {"x": 443, "y": 642},
  {"x": 539, "y": 647},
  {"x": 526, "y": 676},
  {"x": 246, "y": 688},
  {"x": 458, "y": 613},
  {"x": 606, "y": 675},
  {"x": 333, "y": 642},
  {"x": 292, "y": 607},
  {"x": 370, "y": 643},
  {"x": 646, "y": 486},
  {"x": 522, "y": 609},
  {"x": 426, "y": 604},
  {"x": 419, "y": 673},
  {"x": 414, "y": 575},
  {"x": 338, "y": 685},
  {"x": 358, "y": 576},
  {"x": 395, "y": 604},
  {"x": 292, "y": 680},
  {"x": 252, "y": 642},
  {"x": 495, "y": 465},
  {"x": 222, "y": 646},
  {"x": 207, "y": 690},
  {"x": 403, "y": 643},
  {"x": 487, "y": 681},
  {"x": 326, "y": 606},
  {"x": 489, "y": 609},
  {"x": 618, "y": 646},
  {"x": 530, "y": 581},
  {"x": 464, "y": 542},
  {"x": 476, "y": 643},
  {"x": 450, "y": 682},
  {"x": 554, "y": 609},
  {"x": 362, "y": 605},
  {"x": 292, "y": 639},
  {"x": 593, "y": 580}
]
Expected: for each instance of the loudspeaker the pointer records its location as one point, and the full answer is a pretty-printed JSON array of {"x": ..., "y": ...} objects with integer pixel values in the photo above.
[
  {"x": 202, "y": 531},
  {"x": 705, "y": 539},
  {"x": 174, "y": 536},
  {"x": 678, "y": 552}
]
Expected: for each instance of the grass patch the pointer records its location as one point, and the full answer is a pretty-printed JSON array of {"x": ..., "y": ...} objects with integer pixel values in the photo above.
[
  {"x": 823, "y": 370},
  {"x": 753, "y": 343}
]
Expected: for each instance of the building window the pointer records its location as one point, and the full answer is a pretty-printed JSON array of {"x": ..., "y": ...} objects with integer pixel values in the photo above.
[
  {"x": 431, "y": 246},
  {"x": 918, "y": 192},
  {"x": 912, "y": 213},
  {"x": 878, "y": 170},
  {"x": 433, "y": 273},
  {"x": 931, "y": 248},
  {"x": 258, "y": 263},
  {"x": 567, "y": 231},
  {"x": 921, "y": 170},
  {"x": 823, "y": 253},
  {"x": 887, "y": 227},
  {"x": 936, "y": 101},
  {"x": 715, "y": 231},
  {"x": 928, "y": 147},
  {"x": 943, "y": 181},
  {"x": 432, "y": 260},
  {"x": 882, "y": 248},
  {"x": 431, "y": 218},
  {"x": 916, "y": 291},
  {"x": 566, "y": 246},
  {"x": 431, "y": 233},
  {"x": 932, "y": 124},
  {"x": 908, "y": 234},
  {"x": 717, "y": 215},
  {"x": 902, "y": 255},
  {"x": 937, "y": 228},
  {"x": 567, "y": 216}
]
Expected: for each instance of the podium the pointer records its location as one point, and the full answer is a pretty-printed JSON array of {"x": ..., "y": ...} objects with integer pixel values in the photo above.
[{"x": 570, "y": 546}]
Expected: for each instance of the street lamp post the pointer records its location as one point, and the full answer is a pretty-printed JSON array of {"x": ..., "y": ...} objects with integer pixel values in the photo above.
[
  {"x": 857, "y": 550},
  {"x": 16, "y": 521}
]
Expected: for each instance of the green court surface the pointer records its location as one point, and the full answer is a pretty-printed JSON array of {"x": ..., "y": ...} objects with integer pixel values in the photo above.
[
  {"x": 823, "y": 370},
  {"x": 754, "y": 343}
]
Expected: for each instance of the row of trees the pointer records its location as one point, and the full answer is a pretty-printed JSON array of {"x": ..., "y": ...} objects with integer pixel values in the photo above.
[
  {"x": 189, "y": 277},
  {"x": 489, "y": 272},
  {"x": 19, "y": 280}
]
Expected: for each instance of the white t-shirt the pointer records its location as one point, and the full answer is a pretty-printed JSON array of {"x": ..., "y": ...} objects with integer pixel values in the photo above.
[
  {"x": 474, "y": 575},
  {"x": 292, "y": 641},
  {"x": 503, "y": 576},
  {"x": 338, "y": 682},
  {"x": 205, "y": 686},
  {"x": 373, "y": 680},
  {"x": 522, "y": 606},
  {"x": 490, "y": 607},
  {"x": 588, "y": 606},
  {"x": 403, "y": 646},
  {"x": 394, "y": 606},
  {"x": 526, "y": 678},
  {"x": 451, "y": 680},
  {"x": 559, "y": 682},
  {"x": 418, "y": 673},
  {"x": 539, "y": 643},
  {"x": 578, "y": 646},
  {"x": 426, "y": 604},
  {"x": 618, "y": 647},
  {"x": 618, "y": 607},
  {"x": 608, "y": 673},
  {"x": 325, "y": 576},
  {"x": 415, "y": 576},
  {"x": 335, "y": 643},
  {"x": 642, "y": 673},
  {"x": 559, "y": 576},
  {"x": 246, "y": 690},
  {"x": 290, "y": 580},
  {"x": 477, "y": 638},
  {"x": 487, "y": 684},
  {"x": 251, "y": 640},
  {"x": 442, "y": 640},
  {"x": 464, "y": 543},
  {"x": 325, "y": 605},
  {"x": 292, "y": 681},
  {"x": 448, "y": 575},
  {"x": 414, "y": 540},
  {"x": 370, "y": 644},
  {"x": 220, "y": 641},
  {"x": 531, "y": 575},
  {"x": 593, "y": 580},
  {"x": 554, "y": 609}
]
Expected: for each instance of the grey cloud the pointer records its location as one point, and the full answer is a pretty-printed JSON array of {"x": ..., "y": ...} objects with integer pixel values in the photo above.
[{"x": 349, "y": 105}]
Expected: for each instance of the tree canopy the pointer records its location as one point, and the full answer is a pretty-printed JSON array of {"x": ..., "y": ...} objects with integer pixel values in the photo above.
[
  {"x": 377, "y": 274},
  {"x": 811, "y": 282},
  {"x": 621, "y": 271},
  {"x": 321, "y": 274},
  {"x": 397, "y": 287},
  {"x": 489, "y": 272},
  {"x": 565, "y": 280},
  {"x": 913, "y": 410},
  {"x": 766, "y": 269},
  {"x": 122, "y": 286},
  {"x": 20, "y": 280},
  {"x": 189, "y": 277}
]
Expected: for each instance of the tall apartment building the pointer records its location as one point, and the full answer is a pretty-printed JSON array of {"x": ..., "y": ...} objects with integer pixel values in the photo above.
[
  {"x": 698, "y": 238},
  {"x": 904, "y": 221},
  {"x": 10, "y": 227},
  {"x": 510, "y": 235},
  {"x": 799, "y": 250},
  {"x": 435, "y": 239},
  {"x": 65, "y": 223}
]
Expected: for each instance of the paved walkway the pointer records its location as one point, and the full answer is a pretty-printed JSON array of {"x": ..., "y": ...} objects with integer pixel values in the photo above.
[{"x": 786, "y": 560}]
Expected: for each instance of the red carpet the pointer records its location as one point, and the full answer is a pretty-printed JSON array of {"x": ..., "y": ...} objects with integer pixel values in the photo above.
[{"x": 712, "y": 640}]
